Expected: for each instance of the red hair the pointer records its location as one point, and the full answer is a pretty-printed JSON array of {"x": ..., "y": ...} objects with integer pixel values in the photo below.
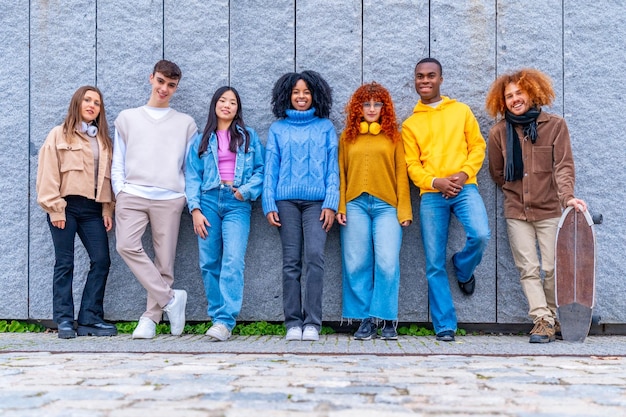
[
  {"x": 535, "y": 83},
  {"x": 354, "y": 111}
]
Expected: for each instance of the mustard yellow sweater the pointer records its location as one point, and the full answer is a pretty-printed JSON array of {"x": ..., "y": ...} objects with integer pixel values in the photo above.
[{"x": 375, "y": 165}]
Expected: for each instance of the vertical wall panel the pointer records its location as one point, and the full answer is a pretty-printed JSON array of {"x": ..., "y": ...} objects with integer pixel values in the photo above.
[
  {"x": 328, "y": 40},
  {"x": 14, "y": 164},
  {"x": 389, "y": 57},
  {"x": 262, "y": 37},
  {"x": 595, "y": 76},
  {"x": 532, "y": 37},
  {"x": 201, "y": 48},
  {"x": 462, "y": 38},
  {"x": 63, "y": 56},
  {"x": 526, "y": 37},
  {"x": 390, "y": 54},
  {"x": 130, "y": 42}
]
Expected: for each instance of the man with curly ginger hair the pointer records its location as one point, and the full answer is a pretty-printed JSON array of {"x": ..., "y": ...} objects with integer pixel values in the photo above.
[
  {"x": 444, "y": 152},
  {"x": 530, "y": 158}
]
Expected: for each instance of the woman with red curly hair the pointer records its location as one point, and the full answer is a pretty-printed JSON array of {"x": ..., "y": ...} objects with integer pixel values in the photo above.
[
  {"x": 374, "y": 202},
  {"x": 530, "y": 158}
]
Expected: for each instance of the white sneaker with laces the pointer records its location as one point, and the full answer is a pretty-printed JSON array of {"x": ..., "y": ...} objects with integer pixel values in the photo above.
[
  {"x": 310, "y": 333},
  {"x": 294, "y": 333},
  {"x": 218, "y": 332},
  {"x": 146, "y": 329},
  {"x": 176, "y": 312}
]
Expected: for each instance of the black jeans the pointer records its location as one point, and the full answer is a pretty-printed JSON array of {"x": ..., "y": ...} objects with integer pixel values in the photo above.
[{"x": 83, "y": 216}]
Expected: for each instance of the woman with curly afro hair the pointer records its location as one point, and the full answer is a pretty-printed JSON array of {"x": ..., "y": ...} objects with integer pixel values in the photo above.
[
  {"x": 530, "y": 158},
  {"x": 301, "y": 192},
  {"x": 374, "y": 202}
]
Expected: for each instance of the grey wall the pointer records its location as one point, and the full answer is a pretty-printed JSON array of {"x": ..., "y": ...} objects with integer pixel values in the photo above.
[{"x": 49, "y": 48}]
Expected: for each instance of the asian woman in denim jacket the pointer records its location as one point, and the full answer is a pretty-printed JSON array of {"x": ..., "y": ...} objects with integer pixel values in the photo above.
[{"x": 223, "y": 175}]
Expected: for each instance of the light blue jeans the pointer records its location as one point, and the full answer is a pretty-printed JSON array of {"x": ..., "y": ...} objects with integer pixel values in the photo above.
[
  {"x": 370, "y": 247},
  {"x": 222, "y": 253},
  {"x": 435, "y": 210}
]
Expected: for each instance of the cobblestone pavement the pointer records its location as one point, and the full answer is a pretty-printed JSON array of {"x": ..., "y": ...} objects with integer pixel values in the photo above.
[{"x": 41, "y": 375}]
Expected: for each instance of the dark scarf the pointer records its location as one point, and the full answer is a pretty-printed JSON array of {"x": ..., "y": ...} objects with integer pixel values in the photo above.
[{"x": 514, "y": 166}]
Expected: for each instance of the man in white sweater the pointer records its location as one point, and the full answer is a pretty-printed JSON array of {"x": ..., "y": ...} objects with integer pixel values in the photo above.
[{"x": 148, "y": 181}]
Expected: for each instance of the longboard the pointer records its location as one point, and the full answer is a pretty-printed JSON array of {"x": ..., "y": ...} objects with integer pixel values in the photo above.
[{"x": 575, "y": 273}]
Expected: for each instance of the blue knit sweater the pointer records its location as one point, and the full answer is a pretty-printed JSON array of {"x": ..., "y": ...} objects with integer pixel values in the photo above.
[{"x": 301, "y": 161}]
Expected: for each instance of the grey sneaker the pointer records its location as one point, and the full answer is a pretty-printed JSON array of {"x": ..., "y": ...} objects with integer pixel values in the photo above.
[
  {"x": 310, "y": 333},
  {"x": 367, "y": 330},
  {"x": 218, "y": 332},
  {"x": 176, "y": 312},
  {"x": 294, "y": 333}
]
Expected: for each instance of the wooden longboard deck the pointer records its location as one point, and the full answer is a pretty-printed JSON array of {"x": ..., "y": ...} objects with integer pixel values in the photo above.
[{"x": 575, "y": 266}]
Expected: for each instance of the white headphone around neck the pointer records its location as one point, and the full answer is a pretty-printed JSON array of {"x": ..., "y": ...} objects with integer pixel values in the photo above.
[{"x": 90, "y": 130}]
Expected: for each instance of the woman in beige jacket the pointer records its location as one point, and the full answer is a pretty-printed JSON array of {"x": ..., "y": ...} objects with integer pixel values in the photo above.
[{"x": 74, "y": 189}]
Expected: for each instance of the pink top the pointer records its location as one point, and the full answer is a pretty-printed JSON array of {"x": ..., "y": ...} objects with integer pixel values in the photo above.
[{"x": 225, "y": 158}]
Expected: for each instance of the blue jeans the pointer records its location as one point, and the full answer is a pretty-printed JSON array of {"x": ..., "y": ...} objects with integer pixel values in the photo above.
[
  {"x": 300, "y": 229},
  {"x": 370, "y": 247},
  {"x": 435, "y": 210},
  {"x": 222, "y": 253},
  {"x": 82, "y": 216}
]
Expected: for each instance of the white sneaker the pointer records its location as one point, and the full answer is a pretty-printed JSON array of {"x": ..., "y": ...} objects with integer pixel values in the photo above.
[
  {"x": 310, "y": 333},
  {"x": 176, "y": 312},
  {"x": 218, "y": 332},
  {"x": 294, "y": 333},
  {"x": 146, "y": 329}
]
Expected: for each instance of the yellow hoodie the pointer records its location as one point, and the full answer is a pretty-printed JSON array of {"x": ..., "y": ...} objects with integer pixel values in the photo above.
[{"x": 442, "y": 141}]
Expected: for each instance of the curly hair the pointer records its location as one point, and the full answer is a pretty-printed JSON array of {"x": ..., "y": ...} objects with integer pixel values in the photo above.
[
  {"x": 354, "y": 111},
  {"x": 320, "y": 91},
  {"x": 535, "y": 83}
]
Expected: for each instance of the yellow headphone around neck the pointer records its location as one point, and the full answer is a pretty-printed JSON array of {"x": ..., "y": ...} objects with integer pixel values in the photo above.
[{"x": 373, "y": 128}]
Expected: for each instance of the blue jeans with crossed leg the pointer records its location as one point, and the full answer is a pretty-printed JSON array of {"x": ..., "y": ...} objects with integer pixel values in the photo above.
[{"x": 435, "y": 211}]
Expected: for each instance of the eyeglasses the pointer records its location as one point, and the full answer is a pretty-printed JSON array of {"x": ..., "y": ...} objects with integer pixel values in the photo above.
[{"x": 368, "y": 104}]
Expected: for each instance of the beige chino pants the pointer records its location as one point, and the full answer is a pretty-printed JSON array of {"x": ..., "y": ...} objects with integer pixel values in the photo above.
[
  {"x": 132, "y": 215},
  {"x": 524, "y": 237}
]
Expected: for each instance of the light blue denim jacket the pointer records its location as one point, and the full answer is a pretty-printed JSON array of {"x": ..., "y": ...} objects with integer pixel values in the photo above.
[{"x": 202, "y": 173}]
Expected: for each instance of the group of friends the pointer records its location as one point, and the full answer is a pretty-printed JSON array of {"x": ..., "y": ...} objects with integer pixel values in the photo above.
[{"x": 158, "y": 163}]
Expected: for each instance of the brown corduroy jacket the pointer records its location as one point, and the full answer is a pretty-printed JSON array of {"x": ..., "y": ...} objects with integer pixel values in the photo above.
[{"x": 549, "y": 177}]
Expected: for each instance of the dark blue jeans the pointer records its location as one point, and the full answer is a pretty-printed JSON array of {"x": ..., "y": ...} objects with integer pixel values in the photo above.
[
  {"x": 82, "y": 216},
  {"x": 301, "y": 231}
]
